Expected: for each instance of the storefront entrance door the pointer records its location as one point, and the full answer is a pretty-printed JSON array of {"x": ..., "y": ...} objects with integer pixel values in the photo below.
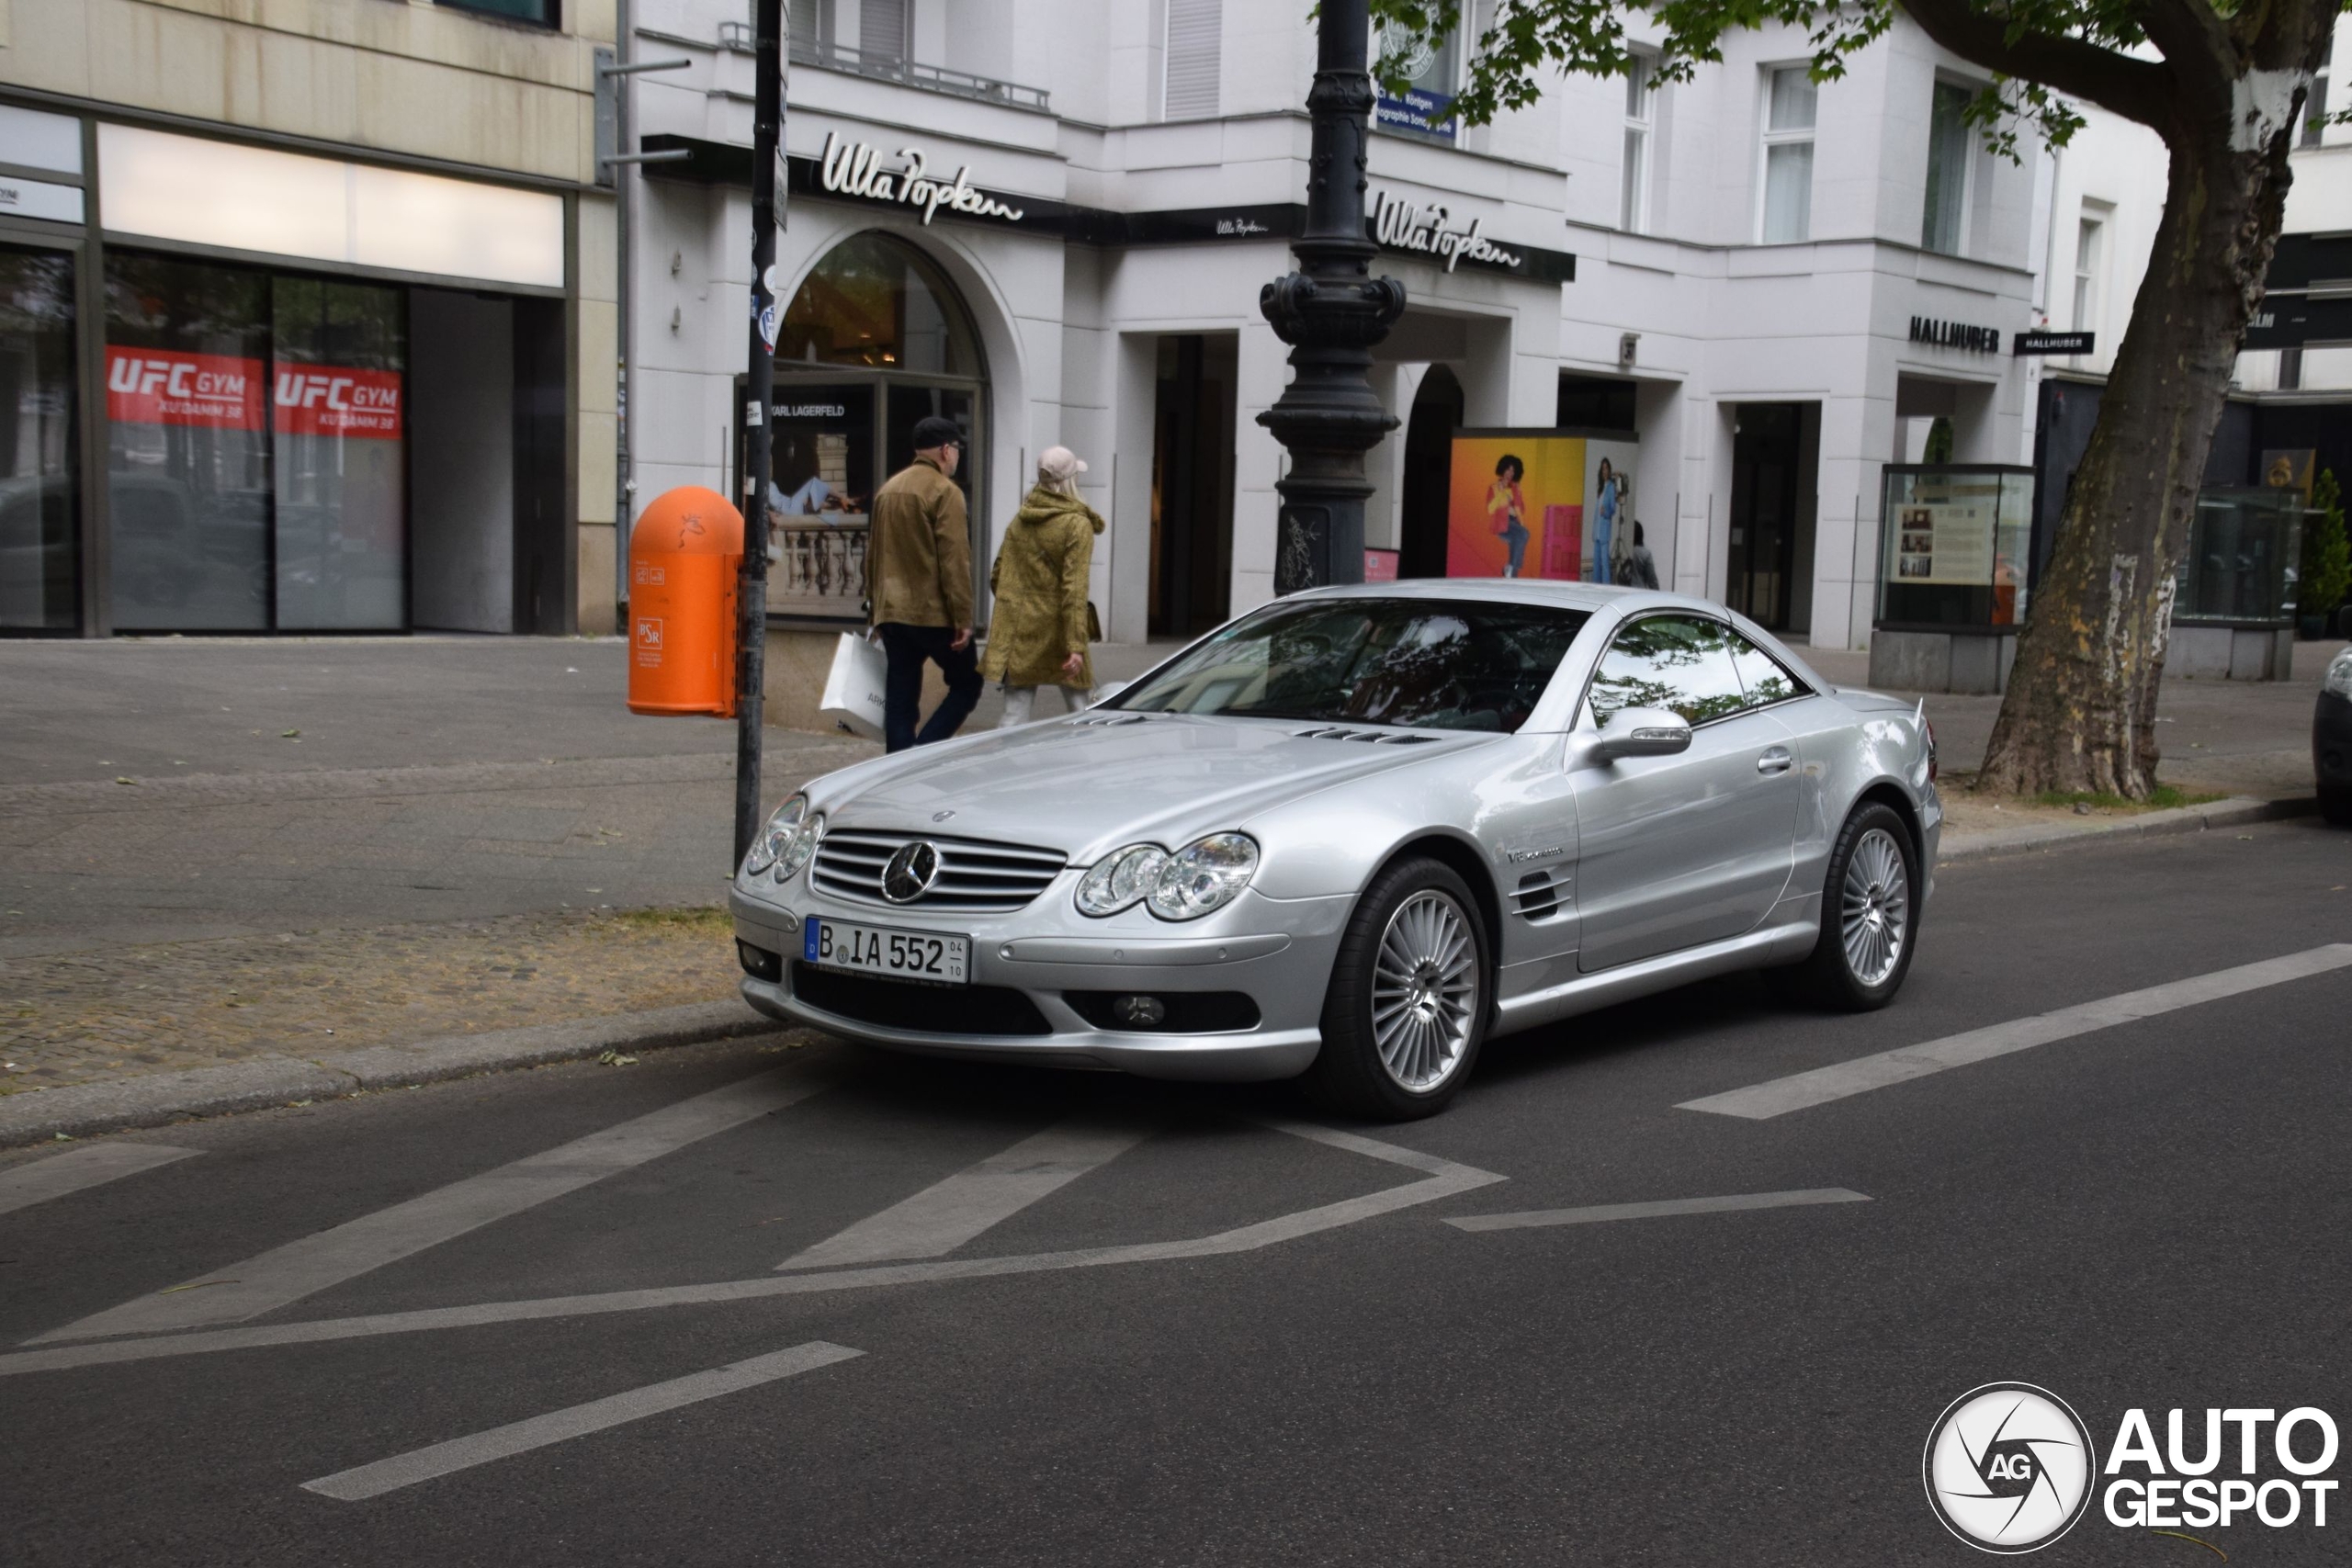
[{"x": 1764, "y": 522}]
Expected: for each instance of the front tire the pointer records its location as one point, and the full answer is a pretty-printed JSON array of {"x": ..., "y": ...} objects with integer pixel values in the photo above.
[
  {"x": 1407, "y": 1006},
  {"x": 2335, "y": 804},
  {"x": 1869, "y": 916}
]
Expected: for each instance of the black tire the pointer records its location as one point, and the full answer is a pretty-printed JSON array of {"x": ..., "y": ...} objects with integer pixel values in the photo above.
[
  {"x": 2335, "y": 804},
  {"x": 1352, "y": 1074},
  {"x": 1829, "y": 975}
]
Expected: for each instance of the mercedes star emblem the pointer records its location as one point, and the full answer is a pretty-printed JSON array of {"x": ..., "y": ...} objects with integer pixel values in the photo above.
[{"x": 910, "y": 873}]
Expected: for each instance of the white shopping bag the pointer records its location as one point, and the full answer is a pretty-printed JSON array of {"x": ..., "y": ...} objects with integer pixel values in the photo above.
[{"x": 852, "y": 696}]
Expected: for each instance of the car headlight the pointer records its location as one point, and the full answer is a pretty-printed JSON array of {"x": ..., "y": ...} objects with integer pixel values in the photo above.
[
  {"x": 1120, "y": 879},
  {"x": 773, "y": 837},
  {"x": 1205, "y": 874},
  {"x": 2339, "y": 674},
  {"x": 799, "y": 848}
]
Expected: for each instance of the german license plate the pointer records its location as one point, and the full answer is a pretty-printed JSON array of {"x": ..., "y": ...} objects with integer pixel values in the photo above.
[{"x": 877, "y": 949}]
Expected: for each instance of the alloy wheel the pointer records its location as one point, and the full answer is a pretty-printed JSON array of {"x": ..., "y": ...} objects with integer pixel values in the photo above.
[
  {"x": 1425, "y": 991},
  {"x": 1875, "y": 907}
]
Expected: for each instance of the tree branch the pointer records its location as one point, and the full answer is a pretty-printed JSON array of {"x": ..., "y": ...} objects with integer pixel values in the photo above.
[
  {"x": 2198, "y": 46},
  {"x": 2137, "y": 89}
]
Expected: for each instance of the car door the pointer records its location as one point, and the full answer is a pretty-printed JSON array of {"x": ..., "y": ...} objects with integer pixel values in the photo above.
[{"x": 1673, "y": 852}]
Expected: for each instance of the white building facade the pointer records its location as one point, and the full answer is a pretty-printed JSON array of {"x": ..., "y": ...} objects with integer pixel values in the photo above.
[{"x": 1764, "y": 288}]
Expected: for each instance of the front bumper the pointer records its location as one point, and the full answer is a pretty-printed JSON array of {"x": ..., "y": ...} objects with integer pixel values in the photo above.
[
  {"x": 2332, "y": 742},
  {"x": 1277, "y": 952}
]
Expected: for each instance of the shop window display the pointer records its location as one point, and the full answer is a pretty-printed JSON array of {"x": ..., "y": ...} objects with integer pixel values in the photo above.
[
  {"x": 37, "y": 516},
  {"x": 188, "y": 448},
  {"x": 337, "y": 414},
  {"x": 1954, "y": 547},
  {"x": 876, "y": 302}
]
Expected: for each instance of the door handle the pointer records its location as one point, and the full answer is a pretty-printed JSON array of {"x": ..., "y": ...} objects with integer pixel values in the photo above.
[{"x": 1776, "y": 760}]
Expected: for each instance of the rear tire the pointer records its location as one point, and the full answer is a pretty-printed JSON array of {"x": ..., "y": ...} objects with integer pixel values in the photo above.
[
  {"x": 1409, "y": 996},
  {"x": 1869, "y": 917},
  {"x": 2335, "y": 804}
]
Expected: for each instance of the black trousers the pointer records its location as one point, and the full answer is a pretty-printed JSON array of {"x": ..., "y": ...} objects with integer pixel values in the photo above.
[{"x": 906, "y": 648}]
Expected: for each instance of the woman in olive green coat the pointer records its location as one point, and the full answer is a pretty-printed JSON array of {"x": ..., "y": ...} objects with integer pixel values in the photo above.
[{"x": 1038, "y": 632}]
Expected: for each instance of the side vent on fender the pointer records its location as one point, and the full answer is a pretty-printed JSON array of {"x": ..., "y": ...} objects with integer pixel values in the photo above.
[{"x": 1540, "y": 896}]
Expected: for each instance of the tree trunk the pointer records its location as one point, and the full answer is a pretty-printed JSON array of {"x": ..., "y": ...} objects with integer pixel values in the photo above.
[{"x": 2081, "y": 707}]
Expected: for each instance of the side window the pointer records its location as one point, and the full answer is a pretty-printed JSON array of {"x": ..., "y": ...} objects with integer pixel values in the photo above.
[
  {"x": 1763, "y": 677},
  {"x": 1683, "y": 664}
]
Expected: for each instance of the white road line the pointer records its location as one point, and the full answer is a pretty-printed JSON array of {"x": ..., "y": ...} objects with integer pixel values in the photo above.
[
  {"x": 1534, "y": 1217},
  {"x": 90, "y": 1166},
  {"x": 946, "y": 1215},
  {"x": 559, "y": 1425},
  {"x": 1777, "y": 1097},
  {"x": 287, "y": 1274},
  {"x": 1444, "y": 1179}
]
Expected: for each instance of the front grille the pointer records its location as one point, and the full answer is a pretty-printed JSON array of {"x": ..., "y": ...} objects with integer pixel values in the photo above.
[
  {"x": 931, "y": 1010},
  {"x": 983, "y": 878}
]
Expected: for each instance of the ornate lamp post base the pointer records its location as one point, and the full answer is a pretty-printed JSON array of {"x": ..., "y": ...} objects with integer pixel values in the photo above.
[{"x": 1331, "y": 312}]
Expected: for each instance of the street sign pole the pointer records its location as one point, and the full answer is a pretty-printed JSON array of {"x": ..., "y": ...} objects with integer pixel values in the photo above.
[{"x": 751, "y": 592}]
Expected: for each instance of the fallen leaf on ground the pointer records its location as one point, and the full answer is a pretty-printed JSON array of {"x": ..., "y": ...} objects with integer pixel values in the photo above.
[{"x": 615, "y": 1059}]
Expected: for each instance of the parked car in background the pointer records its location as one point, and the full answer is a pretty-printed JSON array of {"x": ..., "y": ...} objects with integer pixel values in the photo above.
[
  {"x": 1351, "y": 835},
  {"x": 2332, "y": 741}
]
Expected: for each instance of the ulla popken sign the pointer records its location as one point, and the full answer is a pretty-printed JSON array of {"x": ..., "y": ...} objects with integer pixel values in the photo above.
[
  {"x": 328, "y": 400},
  {"x": 203, "y": 391},
  {"x": 855, "y": 168},
  {"x": 1402, "y": 226}
]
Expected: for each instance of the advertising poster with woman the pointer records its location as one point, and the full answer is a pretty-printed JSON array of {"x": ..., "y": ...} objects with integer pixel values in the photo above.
[
  {"x": 1515, "y": 506},
  {"x": 1540, "y": 504}
]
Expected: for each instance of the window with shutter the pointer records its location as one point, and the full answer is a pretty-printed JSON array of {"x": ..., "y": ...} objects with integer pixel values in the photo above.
[
  {"x": 1195, "y": 57},
  {"x": 882, "y": 30}
]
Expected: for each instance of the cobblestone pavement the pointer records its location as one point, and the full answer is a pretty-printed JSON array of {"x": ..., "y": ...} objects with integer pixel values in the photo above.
[{"x": 115, "y": 1012}]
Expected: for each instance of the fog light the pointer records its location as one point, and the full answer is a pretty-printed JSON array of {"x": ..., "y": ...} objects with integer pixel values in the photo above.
[
  {"x": 758, "y": 962},
  {"x": 1140, "y": 1013}
]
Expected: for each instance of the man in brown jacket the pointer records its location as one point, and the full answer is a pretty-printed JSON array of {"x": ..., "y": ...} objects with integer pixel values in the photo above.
[{"x": 919, "y": 562}]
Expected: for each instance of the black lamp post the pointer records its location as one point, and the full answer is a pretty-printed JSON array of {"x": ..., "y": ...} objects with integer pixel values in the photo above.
[{"x": 1331, "y": 310}]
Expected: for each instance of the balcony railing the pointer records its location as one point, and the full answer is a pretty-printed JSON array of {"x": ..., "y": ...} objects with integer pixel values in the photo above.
[
  {"x": 908, "y": 72},
  {"x": 816, "y": 569}
]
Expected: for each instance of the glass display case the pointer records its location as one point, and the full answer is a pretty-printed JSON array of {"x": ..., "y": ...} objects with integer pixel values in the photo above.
[
  {"x": 1954, "y": 545},
  {"x": 2238, "y": 568}
]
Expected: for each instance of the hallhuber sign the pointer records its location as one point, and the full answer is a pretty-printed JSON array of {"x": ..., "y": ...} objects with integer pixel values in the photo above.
[{"x": 1955, "y": 335}]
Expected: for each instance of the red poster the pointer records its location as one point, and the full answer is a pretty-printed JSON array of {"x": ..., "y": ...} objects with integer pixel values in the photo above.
[
  {"x": 328, "y": 399},
  {"x": 161, "y": 386}
]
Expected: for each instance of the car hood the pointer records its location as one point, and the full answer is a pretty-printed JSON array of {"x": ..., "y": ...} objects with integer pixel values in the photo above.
[{"x": 1086, "y": 787}]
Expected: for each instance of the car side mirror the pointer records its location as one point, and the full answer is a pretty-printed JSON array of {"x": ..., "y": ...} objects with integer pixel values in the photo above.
[
  {"x": 1107, "y": 689},
  {"x": 1641, "y": 732}
]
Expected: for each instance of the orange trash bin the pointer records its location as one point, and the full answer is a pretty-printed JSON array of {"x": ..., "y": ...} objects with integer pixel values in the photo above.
[{"x": 684, "y": 557}]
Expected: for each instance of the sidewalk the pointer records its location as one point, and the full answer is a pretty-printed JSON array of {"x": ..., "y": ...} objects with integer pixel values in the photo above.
[{"x": 464, "y": 838}]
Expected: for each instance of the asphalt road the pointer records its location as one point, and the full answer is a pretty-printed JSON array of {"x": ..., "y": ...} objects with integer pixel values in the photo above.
[{"x": 2148, "y": 1215}]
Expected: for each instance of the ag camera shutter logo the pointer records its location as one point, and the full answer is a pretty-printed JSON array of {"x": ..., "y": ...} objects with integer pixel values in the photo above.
[{"x": 2009, "y": 1468}]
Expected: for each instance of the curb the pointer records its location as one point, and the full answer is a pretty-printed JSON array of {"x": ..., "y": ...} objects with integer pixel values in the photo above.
[
  {"x": 259, "y": 1082},
  {"x": 2235, "y": 812}
]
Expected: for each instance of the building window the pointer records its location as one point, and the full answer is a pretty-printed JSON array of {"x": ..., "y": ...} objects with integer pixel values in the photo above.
[
  {"x": 39, "y": 585},
  {"x": 539, "y": 13},
  {"x": 808, "y": 25},
  {"x": 1195, "y": 57},
  {"x": 1641, "y": 108},
  {"x": 883, "y": 29},
  {"x": 1432, "y": 71},
  {"x": 2315, "y": 107},
  {"x": 1786, "y": 211},
  {"x": 1947, "y": 150},
  {"x": 2090, "y": 238}
]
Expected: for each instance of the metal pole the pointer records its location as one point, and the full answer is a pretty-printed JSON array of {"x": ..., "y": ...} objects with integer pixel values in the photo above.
[
  {"x": 620, "y": 161},
  {"x": 1330, "y": 312},
  {"x": 752, "y": 593}
]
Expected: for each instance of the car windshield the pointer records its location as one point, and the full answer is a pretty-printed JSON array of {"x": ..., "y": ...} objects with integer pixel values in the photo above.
[{"x": 1425, "y": 663}]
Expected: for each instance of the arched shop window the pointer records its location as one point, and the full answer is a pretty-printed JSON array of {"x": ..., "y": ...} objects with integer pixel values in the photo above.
[
  {"x": 879, "y": 303},
  {"x": 874, "y": 339}
]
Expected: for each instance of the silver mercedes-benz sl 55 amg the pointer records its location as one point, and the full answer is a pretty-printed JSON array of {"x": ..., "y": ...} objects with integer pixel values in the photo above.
[{"x": 1351, "y": 835}]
